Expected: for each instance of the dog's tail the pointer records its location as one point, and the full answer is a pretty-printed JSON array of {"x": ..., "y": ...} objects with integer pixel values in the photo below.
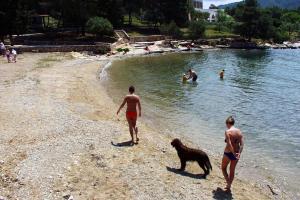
[{"x": 207, "y": 164}]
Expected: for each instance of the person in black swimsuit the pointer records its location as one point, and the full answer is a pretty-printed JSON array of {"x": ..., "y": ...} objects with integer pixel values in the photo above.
[
  {"x": 192, "y": 75},
  {"x": 234, "y": 147}
]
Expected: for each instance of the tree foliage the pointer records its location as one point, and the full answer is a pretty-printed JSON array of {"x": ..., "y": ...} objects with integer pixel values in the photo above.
[
  {"x": 171, "y": 29},
  {"x": 99, "y": 26},
  {"x": 224, "y": 21},
  {"x": 265, "y": 23},
  {"x": 197, "y": 29},
  {"x": 247, "y": 14}
]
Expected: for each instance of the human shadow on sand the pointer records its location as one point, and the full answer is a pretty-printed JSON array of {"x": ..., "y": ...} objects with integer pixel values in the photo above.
[
  {"x": 184, "y": 173},
  {"x": 221, "y": 194},
  {"x": 122, "y": 144}
]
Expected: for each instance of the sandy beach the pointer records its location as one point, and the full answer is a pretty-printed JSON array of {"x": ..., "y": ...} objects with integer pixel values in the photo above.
[{"x": 60, "y": 137}]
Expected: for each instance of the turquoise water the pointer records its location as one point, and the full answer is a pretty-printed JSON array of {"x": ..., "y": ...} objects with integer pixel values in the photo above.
[{"x": 261, "y": 90}]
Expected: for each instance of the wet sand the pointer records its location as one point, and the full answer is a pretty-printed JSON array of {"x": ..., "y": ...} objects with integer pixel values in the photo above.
[{"x": 60, "y": 137}]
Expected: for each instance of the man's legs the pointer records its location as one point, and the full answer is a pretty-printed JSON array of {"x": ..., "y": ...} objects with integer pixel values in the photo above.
[
  {"x": 135, "y": 129},
  {"x": 225, "y": 162},
  {"x": 130, "y": 128}
]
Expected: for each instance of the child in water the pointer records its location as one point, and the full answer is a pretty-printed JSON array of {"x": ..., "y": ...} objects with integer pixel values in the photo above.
[
  {"x": 222, "y": 74},
  {"x": 184, "y": 78}
]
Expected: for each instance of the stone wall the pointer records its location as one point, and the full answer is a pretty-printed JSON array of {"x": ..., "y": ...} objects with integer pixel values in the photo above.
[
  {"x": 150, "y": 38},
  {"x": 100, "y": 48}
]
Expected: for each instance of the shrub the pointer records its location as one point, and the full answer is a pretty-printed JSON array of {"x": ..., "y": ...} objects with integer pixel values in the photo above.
[
  {"x": 197, "y": 29},
  {"x": 171, "y": 29},
  {"x": 99, "y": 26},
  {"x": 280, "y": 37},
  {"x": 125, "y": 50}
]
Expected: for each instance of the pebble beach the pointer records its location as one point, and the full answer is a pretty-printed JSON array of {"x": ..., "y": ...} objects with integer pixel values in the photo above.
[{"x": 61, "y": 139}]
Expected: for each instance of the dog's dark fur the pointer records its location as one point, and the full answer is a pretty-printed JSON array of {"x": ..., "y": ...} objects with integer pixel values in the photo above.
[{"x": 187, "y": 154}]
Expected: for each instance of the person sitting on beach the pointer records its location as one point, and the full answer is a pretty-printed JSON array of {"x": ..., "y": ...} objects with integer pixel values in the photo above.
[
  {"x": 189, "y": 47},
  {"x": 2, "y": 49},
  {"x": 14, "y": 55},
  {"x": 192, "y": 75},
  {"x": 234, "y": 147},
  {"x": 132, "y": 101},
  {"x": 222, "y": 74},
  {"x": 7, "y": 53}
]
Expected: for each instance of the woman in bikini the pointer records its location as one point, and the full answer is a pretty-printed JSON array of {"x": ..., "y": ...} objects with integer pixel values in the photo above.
[
  {"x": 234, "y": 147},
  {"x": 132, "y": 102}
]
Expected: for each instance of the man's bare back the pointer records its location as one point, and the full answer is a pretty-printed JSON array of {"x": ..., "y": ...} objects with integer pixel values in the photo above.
[{"x": 132, "y": 101}]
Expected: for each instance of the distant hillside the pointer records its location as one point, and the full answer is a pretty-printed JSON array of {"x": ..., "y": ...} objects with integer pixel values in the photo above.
[{"x": 289, "y": 4}]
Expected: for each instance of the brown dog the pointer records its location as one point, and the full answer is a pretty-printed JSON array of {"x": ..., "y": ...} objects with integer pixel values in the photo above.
[{"x": 187, "y": 154}]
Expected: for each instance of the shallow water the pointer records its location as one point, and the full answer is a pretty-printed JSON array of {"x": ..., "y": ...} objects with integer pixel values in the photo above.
[{"x": 261, "y": 89}]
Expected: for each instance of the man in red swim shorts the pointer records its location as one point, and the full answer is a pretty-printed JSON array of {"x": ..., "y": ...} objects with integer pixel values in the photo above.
[{"x": 132, "y": 101}]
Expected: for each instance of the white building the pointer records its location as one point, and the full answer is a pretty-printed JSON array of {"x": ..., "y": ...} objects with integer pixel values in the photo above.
[{"x": 213, "y": 13}]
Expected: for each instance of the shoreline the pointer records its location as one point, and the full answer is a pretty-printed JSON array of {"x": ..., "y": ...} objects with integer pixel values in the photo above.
[
  {"x": 268, "y": 182},
  {"x": 69, "y": 135}
]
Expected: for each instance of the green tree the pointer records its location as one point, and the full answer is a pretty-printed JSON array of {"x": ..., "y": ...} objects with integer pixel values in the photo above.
[
  {"x": 221, "y": 19},
  {"x": 99, "y": 26},
  {"x": 199, "y": 15},
  {"x": 176, "y": 11},
  {"x": 247, "y": 15},
  {"x": 197, "y": 29},
  {"x": 15, "y": 16},
  {"x": 291, "y": 22},
  {"x": 132, "y": 6},
  {"x": 171, "y": 29},
  {"x": 152, "y": 12},
  {"x": 213, "y": 6},
  {"x": 265, "y": 27}
]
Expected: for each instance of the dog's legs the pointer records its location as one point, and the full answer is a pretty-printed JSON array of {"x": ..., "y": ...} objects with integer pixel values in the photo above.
[
  {"x": 183, "y": 164},
  {"x": 201, "y": 164},
  {"x": 207, "y": 166}
]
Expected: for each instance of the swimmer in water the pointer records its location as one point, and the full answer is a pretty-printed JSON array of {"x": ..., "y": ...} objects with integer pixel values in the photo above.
[
  {"x": 222, "y": 74},
  {"x": 234, "y": 147},
  {"x": 184, "y": 78}
]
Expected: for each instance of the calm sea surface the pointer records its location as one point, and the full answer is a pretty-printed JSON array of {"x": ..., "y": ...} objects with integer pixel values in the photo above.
[{"x": 261, "y": 90}]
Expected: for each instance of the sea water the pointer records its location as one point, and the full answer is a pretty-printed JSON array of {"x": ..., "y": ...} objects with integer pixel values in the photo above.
[{"x": 261, "y": 90}]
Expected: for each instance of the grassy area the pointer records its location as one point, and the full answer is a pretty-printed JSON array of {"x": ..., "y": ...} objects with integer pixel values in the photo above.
[
  {"x": 51, "y": 59},
  {"x": 135, "y": 21},
  {"x": 211, "y": 33},
  {"x": 133, "y": 33},
  {"x": 138, "y": 28}
]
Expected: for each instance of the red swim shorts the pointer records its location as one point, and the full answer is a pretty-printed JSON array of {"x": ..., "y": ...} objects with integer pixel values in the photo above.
[{"x": 131, "y": 115}]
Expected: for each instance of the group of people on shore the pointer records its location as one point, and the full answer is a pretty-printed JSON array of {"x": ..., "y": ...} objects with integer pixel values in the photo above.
[
  {"x": 233, "y": 136},
  {"x": 11, "y": 55}
]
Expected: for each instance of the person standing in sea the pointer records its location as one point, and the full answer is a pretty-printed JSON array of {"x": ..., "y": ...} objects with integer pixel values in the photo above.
[
  {"x": 132, "y": 101},
  {"x": 192, "y": 75},
  {"x": 234, "y": 147}
]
